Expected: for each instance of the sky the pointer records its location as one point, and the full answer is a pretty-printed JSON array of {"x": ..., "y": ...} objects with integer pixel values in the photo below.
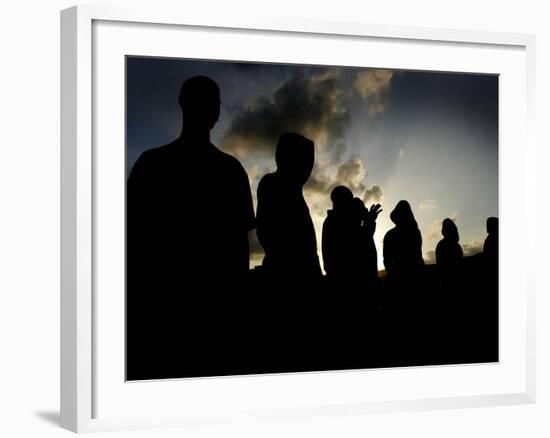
[{"x": 428, "y": 137}]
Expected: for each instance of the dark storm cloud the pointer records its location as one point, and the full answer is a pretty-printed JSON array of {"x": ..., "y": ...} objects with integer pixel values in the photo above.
[{"x": 309, "y": 105}]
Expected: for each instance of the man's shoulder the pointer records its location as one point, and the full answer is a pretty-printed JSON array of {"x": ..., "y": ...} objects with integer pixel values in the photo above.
[
  {"x": 154, "y": 155},
  {"x": 227, "y": 160},
  {"x": 164, "y": 157},
  {"x": 331, "y": 216},
  {"x": 268, "y": 181},
  {"x": 270, "y": 178}
]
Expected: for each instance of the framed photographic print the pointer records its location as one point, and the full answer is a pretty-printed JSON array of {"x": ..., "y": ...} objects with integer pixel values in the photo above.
[{"x": 266, "y": 219}]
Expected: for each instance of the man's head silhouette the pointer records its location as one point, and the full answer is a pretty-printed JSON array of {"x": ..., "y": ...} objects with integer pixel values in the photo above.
[
  {"x": 492, "y": 225},
  {"x": 295, "y": 156},
  {"x": 199, "y": 100},
  {"x": 341, "y": 198}
]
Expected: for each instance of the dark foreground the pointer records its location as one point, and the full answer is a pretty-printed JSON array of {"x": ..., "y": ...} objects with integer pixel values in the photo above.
[{"x": 438, "y": 318}]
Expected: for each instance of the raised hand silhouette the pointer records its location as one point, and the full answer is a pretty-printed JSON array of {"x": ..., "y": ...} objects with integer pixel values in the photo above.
[{"x": 374, "y": 211}]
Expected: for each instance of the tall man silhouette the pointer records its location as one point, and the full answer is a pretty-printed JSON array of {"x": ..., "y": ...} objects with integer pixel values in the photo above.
[{"x": 189, "y": 209}]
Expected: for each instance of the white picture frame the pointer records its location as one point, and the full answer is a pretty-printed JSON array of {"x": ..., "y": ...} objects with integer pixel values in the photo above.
[{"x": 84, "y": 369}]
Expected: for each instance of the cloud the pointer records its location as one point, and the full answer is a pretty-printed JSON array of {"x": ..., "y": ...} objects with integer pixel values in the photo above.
[
  {"x": 254, "y": 173},
  {"x": 319, "y": 182},
  {"x": 428, "y": 204},
  {"x": 309, "y": 105},
  {"x": 374, "y": 194},
  {"x": 433, "y": 232},
  {"x": 473, "y": 247},
  {"x": 429, "y": 257},
  {"x": 374, "y": 86},
  {"x": 256, "y": 250},
  {"x": 351, "y": 174}
]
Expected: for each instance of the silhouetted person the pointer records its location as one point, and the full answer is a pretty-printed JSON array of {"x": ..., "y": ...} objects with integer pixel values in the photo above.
[
  {"x": 349, "y": 252},
  {"x": 285, "y": 228},
  {"x": 291, "y": 265},
  {"x": 490, "y": 247},
  {"x": 350, "y": 258},
  {"x": 448, "y": 251},
  {"x": 487, "y": 301},
  {"x": 338, "y": 237},
  {"x": 403, "y": 247},
  {"x": 189, "y": 209}
]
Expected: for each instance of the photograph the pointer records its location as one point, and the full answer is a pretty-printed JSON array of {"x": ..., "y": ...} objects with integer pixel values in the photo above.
[{"x": 294, "y": 218}]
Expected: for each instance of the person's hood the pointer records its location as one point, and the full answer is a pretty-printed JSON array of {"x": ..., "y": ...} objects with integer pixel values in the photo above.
[{"x": 402, "y": 215}]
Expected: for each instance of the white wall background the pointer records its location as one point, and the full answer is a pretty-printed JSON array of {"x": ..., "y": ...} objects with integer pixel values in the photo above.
[{"x": 29, "y": 216}]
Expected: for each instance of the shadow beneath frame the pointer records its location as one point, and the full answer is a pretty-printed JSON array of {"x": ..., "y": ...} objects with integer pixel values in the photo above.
[{"x": 51, "y": 417}]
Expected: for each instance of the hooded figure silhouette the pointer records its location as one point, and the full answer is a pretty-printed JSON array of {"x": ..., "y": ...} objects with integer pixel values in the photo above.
[
  {"x": 339, "y": 238},
  {"x": 403, "y": 243},
  {"x": 291, "y": 266},
  {"x": 284, "y": 225},
  {"x": 448, "y": 251}
]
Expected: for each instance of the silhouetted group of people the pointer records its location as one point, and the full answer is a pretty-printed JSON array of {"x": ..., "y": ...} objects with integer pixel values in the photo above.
[{"x": 190, "y": 306}]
